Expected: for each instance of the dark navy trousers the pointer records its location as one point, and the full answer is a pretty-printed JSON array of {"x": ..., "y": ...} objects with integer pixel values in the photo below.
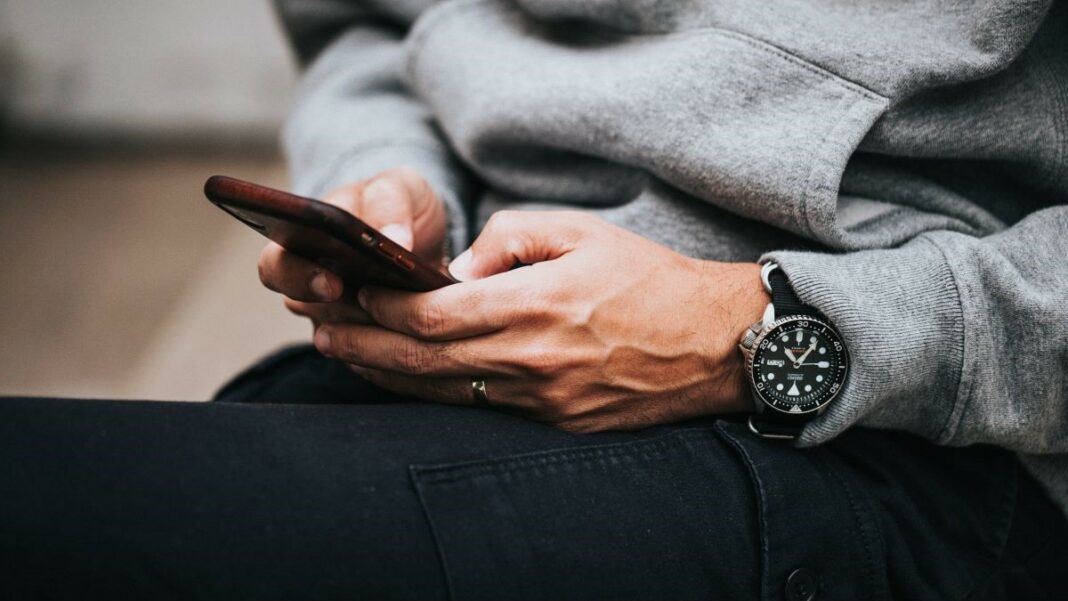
[{"x": 301, "y": 481}]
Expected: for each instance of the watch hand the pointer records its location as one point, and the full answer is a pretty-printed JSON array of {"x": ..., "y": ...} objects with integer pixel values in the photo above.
[
  {"x": 790, "y": 355},
  {"x": 817, "y": 364},
  {"x": 805, "y": 355}
]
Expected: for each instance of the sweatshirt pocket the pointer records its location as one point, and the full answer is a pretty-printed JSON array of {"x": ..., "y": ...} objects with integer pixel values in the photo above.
[{"x": 544, "y": 112}]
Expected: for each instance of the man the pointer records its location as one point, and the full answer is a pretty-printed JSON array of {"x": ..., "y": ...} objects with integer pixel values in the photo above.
[{"x": 870, "y": 197}]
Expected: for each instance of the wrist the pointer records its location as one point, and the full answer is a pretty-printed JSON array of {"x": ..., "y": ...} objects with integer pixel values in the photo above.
[{"x": 734, "y": 299}]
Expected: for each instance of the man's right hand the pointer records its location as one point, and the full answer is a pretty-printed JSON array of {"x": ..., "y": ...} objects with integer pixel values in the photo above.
[{"x": 397, "y": 202}]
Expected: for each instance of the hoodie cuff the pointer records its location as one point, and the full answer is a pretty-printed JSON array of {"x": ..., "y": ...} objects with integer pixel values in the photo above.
[
  {"x": 899, "y": 313},
  {"x": 432, "y": 164}
]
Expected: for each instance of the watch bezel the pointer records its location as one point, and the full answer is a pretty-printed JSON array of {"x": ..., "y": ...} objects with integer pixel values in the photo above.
[{"x": 774, "y": 326}]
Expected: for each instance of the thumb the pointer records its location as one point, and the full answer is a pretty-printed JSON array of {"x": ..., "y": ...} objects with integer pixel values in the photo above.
[
  {"x": 519, "y": 237},
  {"x": 381, "y": 203}
]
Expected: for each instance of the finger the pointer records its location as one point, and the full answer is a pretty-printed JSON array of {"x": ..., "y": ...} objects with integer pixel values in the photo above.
[
  {"x": 512, "y": 237},
  {"x": 297, "y": 277},
  {"x": 383, "y": 203},
  {"x": 335, "y": 312},
  {"x": 379, "y": 348},
  {"x": 500, "y": 394},
  {"x": 454, "y": 391},
  {"x": 450, "y": 313}
]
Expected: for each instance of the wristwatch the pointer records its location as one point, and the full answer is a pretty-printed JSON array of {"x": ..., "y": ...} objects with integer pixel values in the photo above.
[{"x": 795, "y": 360}]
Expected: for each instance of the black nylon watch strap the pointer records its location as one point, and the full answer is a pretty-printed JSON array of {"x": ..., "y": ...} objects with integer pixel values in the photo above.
[
  {"x": 770, "y": 422},
  {"x": 784, "y": 298},
  {"x": 777, "y": 425}
]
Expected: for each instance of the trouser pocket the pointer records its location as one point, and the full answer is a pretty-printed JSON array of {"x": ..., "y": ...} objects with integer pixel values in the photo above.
[{"x": 670, "y": 517}]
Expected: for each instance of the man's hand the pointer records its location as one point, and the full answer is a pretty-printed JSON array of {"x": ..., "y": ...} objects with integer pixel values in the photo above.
[
  {"x": 599, "y": 329},
  {"x": 397, "y": 202}
]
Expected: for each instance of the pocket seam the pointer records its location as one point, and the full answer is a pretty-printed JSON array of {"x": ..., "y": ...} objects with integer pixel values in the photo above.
[{"x": 457, "y": 471}]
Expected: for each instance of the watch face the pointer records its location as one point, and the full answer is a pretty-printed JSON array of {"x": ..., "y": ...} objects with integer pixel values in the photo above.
[{"x": 798, "y": 365}]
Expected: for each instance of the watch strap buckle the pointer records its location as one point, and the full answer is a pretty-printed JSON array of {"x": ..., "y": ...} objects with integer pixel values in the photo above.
[{"x": 776, "y": 433}]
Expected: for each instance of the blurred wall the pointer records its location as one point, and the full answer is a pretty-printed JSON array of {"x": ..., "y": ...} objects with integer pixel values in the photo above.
[{"x": 199, "y": 70}]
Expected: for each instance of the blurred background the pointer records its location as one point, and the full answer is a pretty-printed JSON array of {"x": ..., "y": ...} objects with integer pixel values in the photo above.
[{"x": 117, "y": 278}]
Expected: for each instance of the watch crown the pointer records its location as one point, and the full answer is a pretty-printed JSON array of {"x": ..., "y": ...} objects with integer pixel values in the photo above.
[{"x": 749, "y": 339}]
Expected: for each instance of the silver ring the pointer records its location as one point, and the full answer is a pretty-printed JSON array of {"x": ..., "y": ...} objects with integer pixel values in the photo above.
[{"x": 478, "y": 387}]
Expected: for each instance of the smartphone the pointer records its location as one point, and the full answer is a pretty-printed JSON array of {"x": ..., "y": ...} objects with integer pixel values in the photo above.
[{"x": 327, "y": 235}]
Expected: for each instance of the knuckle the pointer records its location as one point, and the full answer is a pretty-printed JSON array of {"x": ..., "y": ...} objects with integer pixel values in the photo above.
[
  {"x": 348, "y": 346},
  {"x": 501, "y": 220},
  {"x": 542, "y": 361},
  {"x": 413, "y": 359},
  {"x": 410, "y": 179},
  {"x": 557, "y": 405},
  {"x": 544, "y": 305},
  {"x": 428, "y": 321},
  {"x": 381, "y": 188}
]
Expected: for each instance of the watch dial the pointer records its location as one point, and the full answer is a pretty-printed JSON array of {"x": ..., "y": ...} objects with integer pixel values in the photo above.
[{"x": 799, "y": 365}]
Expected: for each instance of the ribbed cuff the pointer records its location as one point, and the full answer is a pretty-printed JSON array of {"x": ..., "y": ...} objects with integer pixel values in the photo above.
[
  {"x": 430, "y": 163},
  {"x": 899, "y": 313}
]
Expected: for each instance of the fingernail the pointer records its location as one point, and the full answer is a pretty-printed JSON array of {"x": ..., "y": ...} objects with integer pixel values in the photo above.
[
  {"x": 321, "y": 287},
  {"x": 459, "y": 265},
  {"x": 361, "y": 298},
  {"x": 401, "y": 234},
  {"x": 322, "y": 340}
]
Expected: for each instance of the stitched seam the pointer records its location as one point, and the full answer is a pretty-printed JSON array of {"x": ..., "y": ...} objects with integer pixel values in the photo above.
[
  {"x": 455, "y": 472},
  {"x": 820, "y": 161},
  {"x": 962, "y": 398},
  {"x": 761, "y": 495},
  {"x": 857, "y": 91},
  {"x": 439, "y": 545},
  {"x": 1012, "y": 501},
  {"x": 792, "y": 58},
  {"x": 1060, "y": 121},
  {"x": 865, "y": 536},
  {"x": 419, "y": 35},
  {"x": 1004, "y": 531}
]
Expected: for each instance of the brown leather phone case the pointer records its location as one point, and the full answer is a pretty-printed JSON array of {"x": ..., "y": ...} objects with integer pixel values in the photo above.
[{"x": 325, "y": 234}]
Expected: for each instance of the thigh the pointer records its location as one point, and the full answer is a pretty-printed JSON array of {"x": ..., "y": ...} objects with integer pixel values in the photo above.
[
  {"x": 109, "y": 499},
  {"x": 411, "y": 500}
]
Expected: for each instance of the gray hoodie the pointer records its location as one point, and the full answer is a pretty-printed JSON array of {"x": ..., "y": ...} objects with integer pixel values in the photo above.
[{"x": 905, "y": 162}]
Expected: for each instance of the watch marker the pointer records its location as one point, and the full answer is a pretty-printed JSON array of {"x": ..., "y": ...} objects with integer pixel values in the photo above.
[{"x": 793, "y": 390}]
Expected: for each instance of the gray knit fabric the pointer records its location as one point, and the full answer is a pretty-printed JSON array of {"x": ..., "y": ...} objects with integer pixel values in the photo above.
[{"x": 906, "y": 164}]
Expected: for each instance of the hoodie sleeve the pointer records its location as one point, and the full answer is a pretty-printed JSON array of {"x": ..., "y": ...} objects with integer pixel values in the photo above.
[
  {"x": 354, "y": 113},
  {"x": 957, "y": 338}
]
